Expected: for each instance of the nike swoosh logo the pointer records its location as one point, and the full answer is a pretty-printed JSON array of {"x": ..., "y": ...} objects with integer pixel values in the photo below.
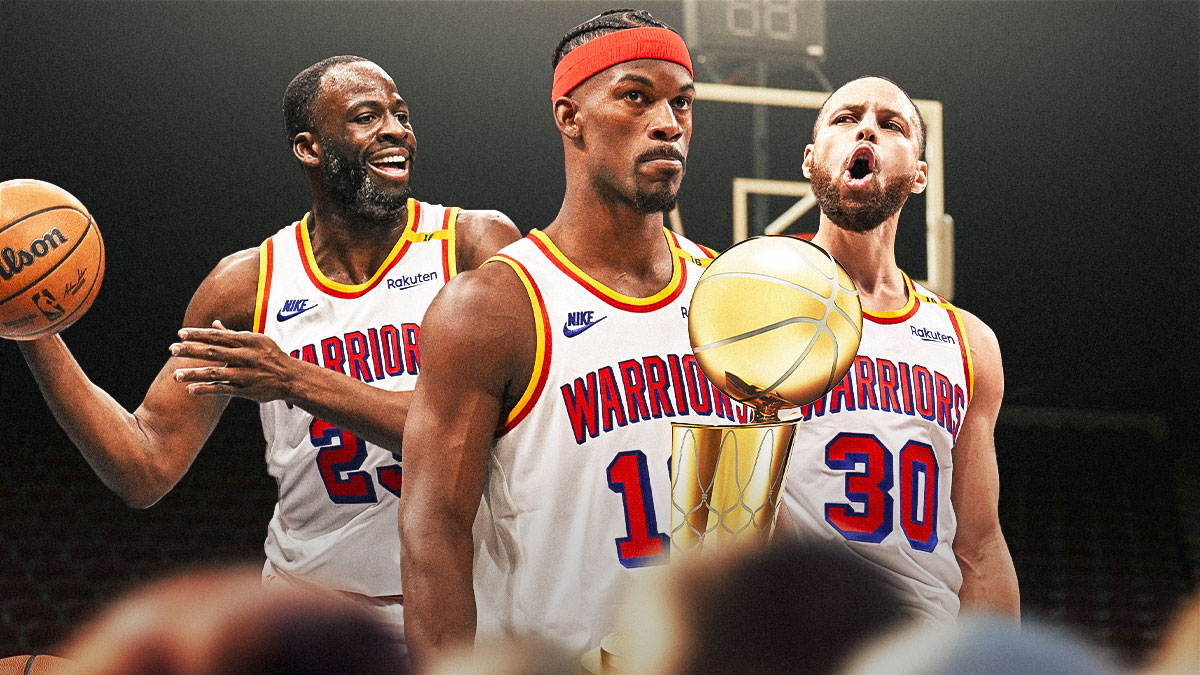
[
  {"x": 572, "y": 332},
  {"x": 284, "y": 316}
]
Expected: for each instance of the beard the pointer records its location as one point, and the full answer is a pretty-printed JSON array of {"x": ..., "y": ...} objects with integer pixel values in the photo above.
[
  {"x": 650, "y": 201},
  {"x": 884, "y": 201},
  {"x": 352, "y": 186},
  {"x": 660, "y": 201}
]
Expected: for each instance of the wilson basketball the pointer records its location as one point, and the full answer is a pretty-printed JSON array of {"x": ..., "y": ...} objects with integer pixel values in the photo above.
[
  {"x": 33, "y": 664},
  {"x": 51, "y": 259},
  {"x": 775, "y": 322}
]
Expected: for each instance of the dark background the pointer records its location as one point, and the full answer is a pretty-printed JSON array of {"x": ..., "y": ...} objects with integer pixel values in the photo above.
[
  {"x": 1072, "y": 133},
  {"x": 1071, "y": 143}
]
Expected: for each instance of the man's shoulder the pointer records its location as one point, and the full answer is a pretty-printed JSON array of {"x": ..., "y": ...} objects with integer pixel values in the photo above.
[
  {"x": 981, "y": 337},
  {"x": 478, "y": 223},
  {"x": 228, "y": 292},
  {"x": 485, "y": 311},
  {"x": 239, "y": 264},
  {"x": 483, "y": 217},
  {"x": 480, "y": 233},
  {"x": 484, "y": 287}
]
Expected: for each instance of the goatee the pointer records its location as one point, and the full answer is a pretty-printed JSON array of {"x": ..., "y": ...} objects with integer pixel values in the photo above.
[
  {"x": 662, "y": 201},
  {"x": 860, "y": 216}
]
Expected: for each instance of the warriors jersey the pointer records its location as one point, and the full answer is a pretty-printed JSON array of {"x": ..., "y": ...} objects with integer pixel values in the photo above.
[
  {"x": 873, "y": 460},
  {"x": 577, "y": 497},
  {"x": 335, "y": 521}
]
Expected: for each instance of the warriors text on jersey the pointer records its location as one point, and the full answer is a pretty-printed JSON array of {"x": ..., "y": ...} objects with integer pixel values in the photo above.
[
  {"x": 578, "y": 492},
  {"x": 335, "y": 522},
  {"x": 872, "y": 462}
]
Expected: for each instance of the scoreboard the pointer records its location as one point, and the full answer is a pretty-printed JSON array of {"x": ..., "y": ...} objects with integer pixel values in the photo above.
[{"x": 777, "y": 30}]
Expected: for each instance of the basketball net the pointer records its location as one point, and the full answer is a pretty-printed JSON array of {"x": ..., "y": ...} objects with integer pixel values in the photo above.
[{"x": 726, "y": 483}]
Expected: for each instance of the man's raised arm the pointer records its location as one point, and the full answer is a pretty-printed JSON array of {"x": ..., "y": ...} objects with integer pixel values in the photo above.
[{"x": 141, "y": 455}]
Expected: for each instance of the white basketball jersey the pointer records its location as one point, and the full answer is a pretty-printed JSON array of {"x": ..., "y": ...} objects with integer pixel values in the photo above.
[
  {"x": 578, "y": 491},
  {"x": 873, "y": 460},
  {"x": 335, "y": 522}
]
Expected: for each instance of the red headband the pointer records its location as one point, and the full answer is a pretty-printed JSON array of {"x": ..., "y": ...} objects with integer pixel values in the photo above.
[{"x": 607, "y": 51}]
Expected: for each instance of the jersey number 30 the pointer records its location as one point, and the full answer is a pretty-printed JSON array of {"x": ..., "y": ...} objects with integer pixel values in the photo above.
[
  {"x": 869, "y": 516},
  {"x": 340, "y": 461}
]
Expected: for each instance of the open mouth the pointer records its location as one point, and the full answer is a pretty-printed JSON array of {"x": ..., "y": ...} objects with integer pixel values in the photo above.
[
  {"x": 392, "y": 164},
  {"x": 862, "y": 167}
]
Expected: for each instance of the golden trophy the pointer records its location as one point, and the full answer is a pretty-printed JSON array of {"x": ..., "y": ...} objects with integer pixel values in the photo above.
[{"x": 775, "y": 323}]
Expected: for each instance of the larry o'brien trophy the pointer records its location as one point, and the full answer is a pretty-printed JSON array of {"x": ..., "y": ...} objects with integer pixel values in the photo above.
[{"x": 775, "y": 323}]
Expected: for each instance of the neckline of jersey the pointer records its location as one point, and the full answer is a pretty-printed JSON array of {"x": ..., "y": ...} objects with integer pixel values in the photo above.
[
  {"x": 619, "y": 300},
  {"x": 898, "y": 315},
  {"x": 339, "y": 289}
]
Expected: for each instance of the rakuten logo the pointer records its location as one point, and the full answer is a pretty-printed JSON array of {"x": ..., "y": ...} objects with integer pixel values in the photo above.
[
  {"x": 926, "y": 335},
  {"x": 405, "y": 282}
]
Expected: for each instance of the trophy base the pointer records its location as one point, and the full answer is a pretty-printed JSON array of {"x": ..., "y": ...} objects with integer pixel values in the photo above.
[{"x": 608, "y": 658}]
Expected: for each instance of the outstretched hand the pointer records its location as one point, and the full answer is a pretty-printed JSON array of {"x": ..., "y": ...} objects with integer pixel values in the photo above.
[{"x": 249, "y": 365}]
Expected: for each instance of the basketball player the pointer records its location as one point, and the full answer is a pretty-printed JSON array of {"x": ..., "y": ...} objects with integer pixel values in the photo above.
[
  {"x": 898, "y": 462},
  {"x": 577, "y": 340},
  {"x": 343, "y": 292}
]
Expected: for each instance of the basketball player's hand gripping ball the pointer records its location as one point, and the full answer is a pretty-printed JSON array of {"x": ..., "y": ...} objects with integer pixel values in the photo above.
[
  {"x": 775, "y": 322},
  {"x": 51, "y": 259}
]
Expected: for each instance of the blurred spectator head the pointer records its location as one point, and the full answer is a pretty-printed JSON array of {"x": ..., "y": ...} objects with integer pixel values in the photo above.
[
  {"x": 783, "y": 607},
  {"x": 981, "y": 644},
  {"x": 519, "y": 657},
  {"x": 1179, "y": 651},
  {"x": 224, "y": 622}
]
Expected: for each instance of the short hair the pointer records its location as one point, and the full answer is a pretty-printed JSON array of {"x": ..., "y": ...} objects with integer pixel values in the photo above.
[
  {"x": 302, "y": 91},
  {"x": 920, "y": 117},
  {"x": 604, "y": 23}
]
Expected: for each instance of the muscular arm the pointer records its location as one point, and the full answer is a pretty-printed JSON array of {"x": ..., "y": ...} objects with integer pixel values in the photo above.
[
  {"x": 143, "y": 454},
  {"x": 480, "y": 234},
  {"x": 989, "y": 578},
  {"x": 477, "y": 346},
  {"x": 252, "y": 366}
]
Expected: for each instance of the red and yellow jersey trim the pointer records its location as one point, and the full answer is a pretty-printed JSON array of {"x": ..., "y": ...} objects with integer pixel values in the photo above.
[
  {"x": 619, "y": 300},
  {"x": 960, "y": 329},
  {"x": 541, "y": 360},
  {"x": 340, "y": 290},
  {"x": 711, "y": 253},
  {"x": 449, "y": 252},
  {"x": 680, "y": 252},
  {"x": 266, "y": 265},
  {"x": 897, "y": 315}
]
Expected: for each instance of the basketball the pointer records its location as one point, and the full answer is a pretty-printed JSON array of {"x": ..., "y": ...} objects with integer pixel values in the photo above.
[
  {"x": 32, "y": 664},
  {"x": 51, "y": 259},
  {"x": 775, "y": 322}
]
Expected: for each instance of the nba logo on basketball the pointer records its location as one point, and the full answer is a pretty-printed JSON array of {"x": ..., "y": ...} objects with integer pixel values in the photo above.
[{"x": 48, "y": 240}]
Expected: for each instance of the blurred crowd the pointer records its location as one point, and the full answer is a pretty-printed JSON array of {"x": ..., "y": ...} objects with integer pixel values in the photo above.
[{"x": 787, "y": 607}]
